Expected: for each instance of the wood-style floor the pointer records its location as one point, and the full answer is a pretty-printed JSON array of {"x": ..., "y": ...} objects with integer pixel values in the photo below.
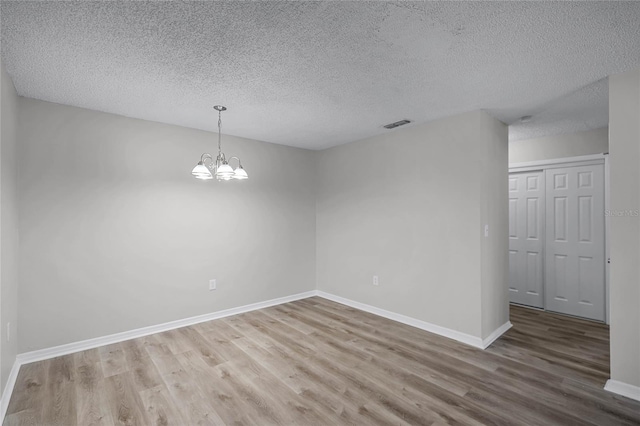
[{"x": 315, "y": 362}]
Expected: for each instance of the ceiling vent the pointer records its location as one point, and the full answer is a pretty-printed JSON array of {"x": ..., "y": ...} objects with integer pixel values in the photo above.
[{"x": 397, "y": 124}]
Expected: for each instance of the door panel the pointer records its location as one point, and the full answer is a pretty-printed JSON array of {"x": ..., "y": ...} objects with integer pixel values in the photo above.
[
  {"x": 513, "y": 218},
  {"x": 526, "y": 232},
  {"x": 532, "y": 218},
  {"x": 574, "y": 246},
  {"x": 559, "y": 271},
  {"x": 560, "y": 219},
  {"x": 585, "y": 219}
]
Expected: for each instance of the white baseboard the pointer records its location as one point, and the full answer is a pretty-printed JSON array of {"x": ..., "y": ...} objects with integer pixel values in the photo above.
[
  {"x": 8, "y": 389},
  {"x": 486, "y": 342},
  {"x": 624, "y": 389},
  {"x": 42, "y": 354},
  {"x": 47, "y": 353},
  {"x": 423, "y": 325}
]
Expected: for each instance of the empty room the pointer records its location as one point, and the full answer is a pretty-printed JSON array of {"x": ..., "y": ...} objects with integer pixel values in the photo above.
[{"x": 319, "y": 213}]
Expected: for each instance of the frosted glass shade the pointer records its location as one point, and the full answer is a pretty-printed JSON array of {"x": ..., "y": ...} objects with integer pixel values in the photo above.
[
  {"x": 224, "y": 171},
  {"x": 201, "y": 172},
  {"x": 239, "y": 173}
]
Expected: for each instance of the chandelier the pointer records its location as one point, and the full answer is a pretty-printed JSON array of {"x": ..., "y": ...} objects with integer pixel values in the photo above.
[{"x": 207, "y": 168}]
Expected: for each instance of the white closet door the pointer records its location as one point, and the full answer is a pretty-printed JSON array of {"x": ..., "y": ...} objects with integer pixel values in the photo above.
[
  {"x": 526, "y": 235},
  {"x": 575, "y": 280}
]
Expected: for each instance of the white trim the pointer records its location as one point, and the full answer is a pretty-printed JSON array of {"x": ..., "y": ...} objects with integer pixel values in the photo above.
[
  {"x": 486, "y": 342},
  {"x": 557, "y": 162},
  {"x": 423, "y": 325},
  {"x": 8, "y": 389},
  {"x": 69, "y": 348},
  {"x": 607, "y": 244},
  {"x": 624, "y": 389}
]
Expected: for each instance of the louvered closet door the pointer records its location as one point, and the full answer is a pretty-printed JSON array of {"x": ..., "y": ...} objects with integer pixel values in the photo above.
[
  {"x": 575, "y": 280},
  {"x": 526, "y": 236}
]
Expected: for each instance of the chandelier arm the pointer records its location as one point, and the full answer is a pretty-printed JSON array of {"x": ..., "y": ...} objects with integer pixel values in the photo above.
[
  {"x": 239, "y": 162},
  {"x": 204, "y": 158}
]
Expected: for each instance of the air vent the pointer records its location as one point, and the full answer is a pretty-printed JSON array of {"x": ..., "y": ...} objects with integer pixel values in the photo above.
[{"x": 397, "y": 124}]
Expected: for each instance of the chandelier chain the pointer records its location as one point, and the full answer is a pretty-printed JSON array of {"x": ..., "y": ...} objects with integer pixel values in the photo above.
[{"x": 219, "y": 131}]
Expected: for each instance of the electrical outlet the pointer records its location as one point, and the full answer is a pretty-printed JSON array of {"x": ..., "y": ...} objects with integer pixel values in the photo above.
[
  {"x": 375, "y": 280},
  {"x": 8, "y": 332},
  {"x": 212, "y": 284}
]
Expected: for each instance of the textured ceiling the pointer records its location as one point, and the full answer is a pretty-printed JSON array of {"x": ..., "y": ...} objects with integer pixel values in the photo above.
[{"x": 318, "y": 74}]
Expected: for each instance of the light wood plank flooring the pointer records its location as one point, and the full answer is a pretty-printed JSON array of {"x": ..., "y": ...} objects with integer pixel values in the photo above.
[{"x": 315, "y": 362}]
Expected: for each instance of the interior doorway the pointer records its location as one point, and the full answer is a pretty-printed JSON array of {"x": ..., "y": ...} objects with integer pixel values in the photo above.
[{"x": 557, "y": 238}]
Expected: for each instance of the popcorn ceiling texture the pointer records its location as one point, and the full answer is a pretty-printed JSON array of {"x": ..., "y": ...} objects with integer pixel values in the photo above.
[
  {"x": 319, "y": 74},
  {"x": 585, "y": 109}
]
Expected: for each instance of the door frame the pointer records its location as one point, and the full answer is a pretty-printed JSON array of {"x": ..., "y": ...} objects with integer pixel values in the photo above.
[
  {"x": 607, "y": 225},
  {"x": 583, "y": 160}
]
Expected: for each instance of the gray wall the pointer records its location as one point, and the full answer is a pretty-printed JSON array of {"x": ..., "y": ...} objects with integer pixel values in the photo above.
[
  {"x": 8, "y": 227},
  {"x": 494, "y": 201},
  {"x": 410, "y": 206},
  {"x": 560, "y": 146},
  {"x": 624, "y": 157},
  {"x": 117, "y": 235}
]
